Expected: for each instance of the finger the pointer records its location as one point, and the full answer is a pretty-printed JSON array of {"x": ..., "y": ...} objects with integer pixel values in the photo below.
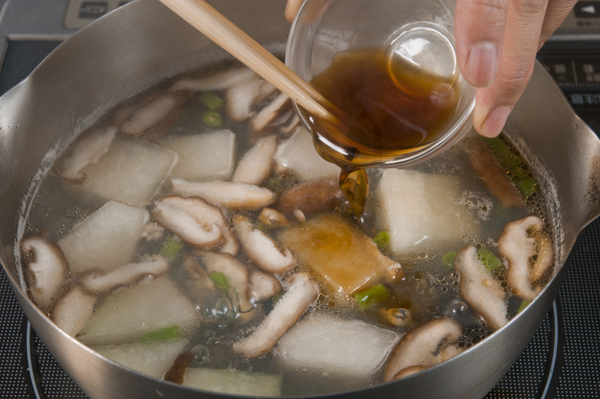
[
  {"x": 479, "y": 35},
  {"x": 494, "y": 103},
  {"x": 556, "y": 13},
  {"x": 291, "y": 9}
]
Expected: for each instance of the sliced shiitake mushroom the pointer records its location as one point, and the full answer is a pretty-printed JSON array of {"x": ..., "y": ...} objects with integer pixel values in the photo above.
[
  {"x": 131, "y": 273},
  {"x": 480, "y": 289},
  {"x": 226, "y": 194},
  {"x": 87, "y": 150},
  {"x": 310, "y": 197},
  {"x": 255, "y": 166},
  {"x": 421, "y": 346},
  {"x": 301, "y": 292},
  {"x": 261, "y": 248},
  {"x": 149, "y": 115},
  {"x": 192, "y": 219},
  {"x": 73, "y": 309},
  {"x": 242, "y": 97},
  {"x": 45, "y": 270},
  {"x": 529, "y": 254},
  {"x": 220, "y": 81}
]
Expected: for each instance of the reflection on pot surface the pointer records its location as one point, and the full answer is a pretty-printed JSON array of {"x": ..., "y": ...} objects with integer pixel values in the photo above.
[{"x": 195, "y": 235}]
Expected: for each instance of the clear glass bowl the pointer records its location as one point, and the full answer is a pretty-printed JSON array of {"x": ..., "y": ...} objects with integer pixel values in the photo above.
[{"x": 417, "y": 36}]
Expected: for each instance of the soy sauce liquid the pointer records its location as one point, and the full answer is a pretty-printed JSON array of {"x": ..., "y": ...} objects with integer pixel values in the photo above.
[{"x": 381, "y": 117}]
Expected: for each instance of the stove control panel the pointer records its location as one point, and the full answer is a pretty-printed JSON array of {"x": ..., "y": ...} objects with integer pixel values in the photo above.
[
  {"x": 81, "y": 12},
  {"x": 584, "y": 19}
]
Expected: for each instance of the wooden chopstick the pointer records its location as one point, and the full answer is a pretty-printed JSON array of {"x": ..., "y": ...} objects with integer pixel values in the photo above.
[{"x": 235, "y": 41}]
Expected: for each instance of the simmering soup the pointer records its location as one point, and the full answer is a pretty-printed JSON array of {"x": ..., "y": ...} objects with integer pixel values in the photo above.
[{"x": 195, "y": 235}]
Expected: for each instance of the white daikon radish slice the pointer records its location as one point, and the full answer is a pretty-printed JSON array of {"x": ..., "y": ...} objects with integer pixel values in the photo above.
[
  {"x": 233, "y": 382},
  {"x": 153, "y": 358},
  {"x": 129, "y": 313},
  {"x": 131, "y": 171},
  {"x": 333, "y": 345},
  {"x": 422, "y": 211},
  {"x": 207, "y": 156},
  {"x": 299, "y": 155},
  {"x": 106, "y": 239}
]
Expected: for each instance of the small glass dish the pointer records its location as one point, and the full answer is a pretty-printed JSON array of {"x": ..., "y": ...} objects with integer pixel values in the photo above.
[{"x": 417, "y": 38}]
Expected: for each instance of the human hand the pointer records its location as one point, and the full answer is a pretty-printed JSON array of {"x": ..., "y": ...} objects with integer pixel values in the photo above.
[{"x": 496, "y": 43}]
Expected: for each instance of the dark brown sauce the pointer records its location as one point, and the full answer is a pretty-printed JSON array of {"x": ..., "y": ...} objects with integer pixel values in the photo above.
[{"x": 378, "y": 118}]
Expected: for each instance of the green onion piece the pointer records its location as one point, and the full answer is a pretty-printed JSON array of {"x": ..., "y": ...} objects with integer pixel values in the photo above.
[
  {"x": 448, "y": 259},
  {"x": 382, "y": 239},
  {"x": 489, "y": 260},
  {"x": 515, "y": 165},
  {"x": 212, "y": 119},
  {"x": 274, "y": 183},
  {"x": 372, "y": 296},
  {"x": 220, "y": 281},
  {"x": 265, "y": 228},
  {"x": 523, "y": 305},
  {"x": 277, "y": 297},
  {"x": 164, "y": 334},
  {"x": 528, "y": 186},
  {"x": 212, "y": 101},
  {"x": 520, "y": 172},
  {"x": 503, "y": 151},
  {"x": 171, "y": 248}
]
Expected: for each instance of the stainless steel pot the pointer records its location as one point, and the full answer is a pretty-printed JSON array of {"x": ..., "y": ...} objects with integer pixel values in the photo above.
[{"x": 144, "y": 43}]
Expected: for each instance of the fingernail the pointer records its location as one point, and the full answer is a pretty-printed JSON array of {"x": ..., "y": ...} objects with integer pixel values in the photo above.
[
  {"x": 482, "y": 64},
  {"x": 495, "y": 121}
]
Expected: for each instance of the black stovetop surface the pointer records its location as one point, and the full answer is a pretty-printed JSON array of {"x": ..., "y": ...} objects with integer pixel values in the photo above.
[{"x": 562, "y": 360}]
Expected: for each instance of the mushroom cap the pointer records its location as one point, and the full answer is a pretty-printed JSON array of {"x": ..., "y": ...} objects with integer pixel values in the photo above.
[
  {"x": 419, "y": 346},
  {"x": 192, "y": 219},
  {"x": 46, "y": 270},
  {"x": 261, "y": 248},
  {"x": 310, "y": 197},
  {"x": 264, "y": 285}
]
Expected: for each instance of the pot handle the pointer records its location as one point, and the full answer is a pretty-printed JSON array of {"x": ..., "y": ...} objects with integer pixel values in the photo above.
[{"x": 564, "y": 146}]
